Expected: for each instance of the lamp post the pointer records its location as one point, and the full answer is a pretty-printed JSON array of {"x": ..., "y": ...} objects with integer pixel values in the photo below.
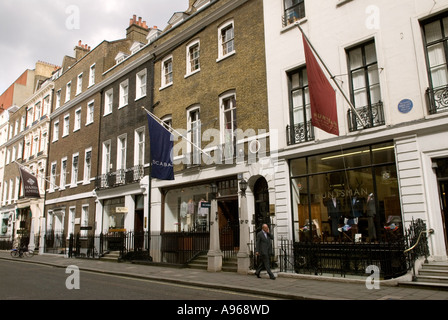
[
  {"x": 243, "y": 253},
  {"x": 214, "y": 255}
]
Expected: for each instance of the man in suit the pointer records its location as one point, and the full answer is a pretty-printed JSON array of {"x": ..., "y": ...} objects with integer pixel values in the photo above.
[{"x": 264, "y": 251}]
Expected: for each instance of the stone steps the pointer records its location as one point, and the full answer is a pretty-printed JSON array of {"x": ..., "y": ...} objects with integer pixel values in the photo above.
[
  {"x": 201, "y": 262},
  {"x": 431, "y": 275}
]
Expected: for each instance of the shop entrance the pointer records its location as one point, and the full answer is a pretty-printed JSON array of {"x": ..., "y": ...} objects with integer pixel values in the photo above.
[
  {"x": 229, "y": 230},
  {"x": 442, "y": 177}
]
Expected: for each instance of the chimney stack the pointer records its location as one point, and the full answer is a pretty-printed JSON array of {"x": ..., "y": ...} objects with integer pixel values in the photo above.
[
  {"x": 81, "y": 50},
  {"x": 137, "y": 30}
]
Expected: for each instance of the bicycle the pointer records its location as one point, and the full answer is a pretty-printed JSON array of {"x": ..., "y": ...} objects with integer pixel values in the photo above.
[{"x": 22, "y": 252}]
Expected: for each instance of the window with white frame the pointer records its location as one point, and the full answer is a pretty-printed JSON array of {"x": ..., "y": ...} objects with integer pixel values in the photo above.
[
  {"x": 79, "y": 84},
  {"x": 17, "y": 188},
  {"x": 121, "y": 152},
  {"x": 108, "y": 101},
  {"x": 294, "y": 10},
  {"x": 16, "y": 128},
  {"x": 75, "y": 169},
  {"x": 66, "y": 129},
  {"x": 53, "y": 176},
  {"x": 92, "y": 75},
  {"x": 167, "y": 71},
  {"x": 84, "y": 219},
  {"x": 106, "y": 164},
  {"x": 58, "y": 98},
  {"x": 228, "y": 124},
  {"x": 55, "y": 131},
  {"x": 226, "y": 40},
  {"x": 29, "y": 116},
  {"x": 87, "y": 165},
  {"x": 43, "y": 141},
  {"x": 194, "y": 134},
  {"x": 46, "y": 109},
  {"x": 124, "y": 94},
  {"x": 68, "y": 91},
  {"x": 193, "y": 55},
  {"x": 20, "y": 150},
  {"x": 27, "y": 150},
  {"x": 23, "y": 123},
  {"x": 90, "y": 111},
  {"x": 77, "y": 124},
  {"x": 35, "y": 145},
  {"x": 139, "y": 157},
  {"x": 71, "y": 220},
  {"x": 141, "y": 84},
  {"x": 63, "y": 176}
]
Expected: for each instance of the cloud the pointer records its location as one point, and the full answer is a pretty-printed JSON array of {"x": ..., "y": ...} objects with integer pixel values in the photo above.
[{"x": 47, "y": 30}]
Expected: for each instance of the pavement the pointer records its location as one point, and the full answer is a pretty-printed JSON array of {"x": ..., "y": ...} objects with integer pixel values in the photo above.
[{"x": 286, "y": 286}]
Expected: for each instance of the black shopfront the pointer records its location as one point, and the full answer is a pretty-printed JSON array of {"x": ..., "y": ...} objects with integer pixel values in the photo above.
[{"x": 346, "y": 211}]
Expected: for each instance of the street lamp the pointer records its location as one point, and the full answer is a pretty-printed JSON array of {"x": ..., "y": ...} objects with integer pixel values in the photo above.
[
  {"x": 243, "y": 186},
  {"x": 214, "y": 190}
]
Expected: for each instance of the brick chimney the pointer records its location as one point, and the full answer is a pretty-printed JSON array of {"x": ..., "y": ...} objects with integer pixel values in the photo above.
[
  {"x": 137, "y": 30},
  {"x": 81, "y": 50}
]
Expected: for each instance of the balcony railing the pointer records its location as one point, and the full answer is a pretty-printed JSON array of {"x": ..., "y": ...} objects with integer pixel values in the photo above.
[
  {"x": 437, "y": 99},
  {"x": 120, "y": 177},
  {"x": 373, "y": 116},
  {"x": 299, "y": 132}
]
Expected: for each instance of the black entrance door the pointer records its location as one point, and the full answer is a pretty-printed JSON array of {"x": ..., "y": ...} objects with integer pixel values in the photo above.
[
  {"x": 442, "y": 177},
  {"x": 261, "y": 195}
]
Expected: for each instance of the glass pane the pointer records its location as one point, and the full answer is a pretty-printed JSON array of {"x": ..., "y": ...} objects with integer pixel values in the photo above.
[
  {"x": 340, "y": 160},
  {"x": 298, "y": 167},
  {"x": 370, "y": 53},
  {"x": 433, "y": 31},
  {"x": 358, "y": 79},
  {"x": 355, "y": 56},
  {"x": 383, "y": 153},
  {"x": 295, "y": 80}
]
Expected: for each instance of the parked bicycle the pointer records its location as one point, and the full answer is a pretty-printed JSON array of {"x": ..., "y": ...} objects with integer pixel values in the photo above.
[{"x": 22, "y": 252}]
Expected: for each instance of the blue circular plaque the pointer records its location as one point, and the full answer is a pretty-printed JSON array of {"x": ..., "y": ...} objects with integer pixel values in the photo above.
[{"x": 405, "y": 105}]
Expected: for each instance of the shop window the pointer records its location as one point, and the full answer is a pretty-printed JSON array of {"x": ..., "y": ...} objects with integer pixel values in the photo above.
[
  {"x": 114, "y": 213},
  {"x": 187, "y": 209},
  {"x": 357, "y": 202}
]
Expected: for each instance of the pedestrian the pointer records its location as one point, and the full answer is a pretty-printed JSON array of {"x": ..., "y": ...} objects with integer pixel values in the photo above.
[{"x": 264, "y": 251}]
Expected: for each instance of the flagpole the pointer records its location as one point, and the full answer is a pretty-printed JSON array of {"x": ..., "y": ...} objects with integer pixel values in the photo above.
[
  {"x": 331, "y": 76},
  {"x": 171, "y": 128}
]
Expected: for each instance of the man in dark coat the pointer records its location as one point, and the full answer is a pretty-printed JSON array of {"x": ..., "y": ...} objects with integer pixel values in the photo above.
[{"x": 264, "y": 251}]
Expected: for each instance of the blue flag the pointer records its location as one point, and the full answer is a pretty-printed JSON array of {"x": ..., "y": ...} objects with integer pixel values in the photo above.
[{"x": 161, "y": 151}]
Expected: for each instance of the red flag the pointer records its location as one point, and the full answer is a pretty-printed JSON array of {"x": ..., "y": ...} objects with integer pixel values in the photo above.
[{"x": 322, "y": 96}]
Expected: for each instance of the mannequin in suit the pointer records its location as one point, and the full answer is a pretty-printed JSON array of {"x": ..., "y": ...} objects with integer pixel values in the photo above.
[
  {"x": 334, "y": 208},
  {"x": 264, "y": 250}
]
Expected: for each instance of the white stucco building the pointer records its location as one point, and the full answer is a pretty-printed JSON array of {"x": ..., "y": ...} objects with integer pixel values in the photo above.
[{"x": 389, "y": 57}]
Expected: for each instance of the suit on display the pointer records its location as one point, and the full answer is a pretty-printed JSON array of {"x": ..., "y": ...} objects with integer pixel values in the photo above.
[{"x": 264, "y": 251}]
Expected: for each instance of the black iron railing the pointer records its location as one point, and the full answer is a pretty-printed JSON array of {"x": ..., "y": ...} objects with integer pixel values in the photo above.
[
  {"x": 300, "y": 132},
  {"x": 437, "y": 99},
  {"x": 119, "y": 177},
  {"x": 372, "y": 116},
  {"x": 393, "y": 258}
]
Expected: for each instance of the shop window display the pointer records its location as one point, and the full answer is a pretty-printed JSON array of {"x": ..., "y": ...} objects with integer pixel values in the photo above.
[
  {"x": 350, "y": 195},
  {"x": 187, "y": 210}
]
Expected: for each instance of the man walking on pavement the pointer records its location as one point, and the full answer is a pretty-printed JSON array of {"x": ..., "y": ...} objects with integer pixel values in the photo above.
[{"x": 264, "y": 251}]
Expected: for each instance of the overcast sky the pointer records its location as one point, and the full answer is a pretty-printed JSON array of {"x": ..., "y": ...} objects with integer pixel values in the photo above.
[{"x": 47, "y": 30}]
